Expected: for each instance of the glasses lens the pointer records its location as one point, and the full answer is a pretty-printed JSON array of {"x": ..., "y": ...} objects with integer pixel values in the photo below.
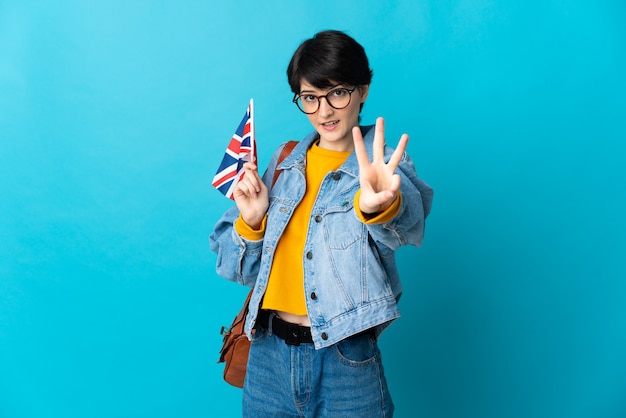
[
  {"x": 307, "y": 104},
  {"x": 338, "y": 98}
]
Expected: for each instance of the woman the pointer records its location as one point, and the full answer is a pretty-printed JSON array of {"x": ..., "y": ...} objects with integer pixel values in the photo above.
[{"x": 318, "y": 246}]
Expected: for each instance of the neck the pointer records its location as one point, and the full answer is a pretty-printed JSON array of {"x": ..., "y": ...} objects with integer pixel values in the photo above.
[{"x": 341, "y": 146}]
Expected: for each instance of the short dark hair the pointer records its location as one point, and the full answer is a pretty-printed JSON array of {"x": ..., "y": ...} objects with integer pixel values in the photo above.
[{"x": 329, "y": 57}]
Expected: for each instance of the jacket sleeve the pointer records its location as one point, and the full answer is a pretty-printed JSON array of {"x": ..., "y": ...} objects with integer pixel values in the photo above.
[
  {"x": 407, "y": 227},
  {"x": 238, "y": 259}
]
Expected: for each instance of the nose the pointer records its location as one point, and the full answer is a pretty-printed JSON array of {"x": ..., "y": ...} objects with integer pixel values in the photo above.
[{"x": 325, "y": 108}]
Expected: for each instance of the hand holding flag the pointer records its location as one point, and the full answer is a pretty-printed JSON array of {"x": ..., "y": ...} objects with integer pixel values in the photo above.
[{"x": 238, "y": 176}]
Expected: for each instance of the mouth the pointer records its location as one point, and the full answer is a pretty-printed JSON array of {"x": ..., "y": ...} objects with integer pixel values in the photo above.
[{"x": 330, "y": 124}]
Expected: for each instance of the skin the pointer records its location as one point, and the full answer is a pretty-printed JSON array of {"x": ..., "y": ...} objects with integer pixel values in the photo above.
[
  {"x": 335, "y": 125},
  {"x": 339, "y": 131}
]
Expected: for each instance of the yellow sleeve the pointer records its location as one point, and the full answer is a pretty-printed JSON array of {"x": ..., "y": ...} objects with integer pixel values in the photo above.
[
  {"x": 243, "y": 229},
  {"x": 381, "y": 217}
]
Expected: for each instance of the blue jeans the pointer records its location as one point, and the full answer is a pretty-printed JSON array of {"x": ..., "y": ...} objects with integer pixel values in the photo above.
[{"x": 343, "y": 380}]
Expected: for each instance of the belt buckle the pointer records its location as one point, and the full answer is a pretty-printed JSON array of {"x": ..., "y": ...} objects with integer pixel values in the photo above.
[{"x": 293, "y": 335}]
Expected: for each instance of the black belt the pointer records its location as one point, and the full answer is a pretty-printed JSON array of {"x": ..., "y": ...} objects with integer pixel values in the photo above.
[{"x": 293, "y": 334}]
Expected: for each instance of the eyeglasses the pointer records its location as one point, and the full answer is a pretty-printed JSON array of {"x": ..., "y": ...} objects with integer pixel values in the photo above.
[{"x": 338, "y": 98}]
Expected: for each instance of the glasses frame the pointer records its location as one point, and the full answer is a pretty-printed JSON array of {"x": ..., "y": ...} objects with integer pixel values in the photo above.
[{"x": 319, "y": 101}]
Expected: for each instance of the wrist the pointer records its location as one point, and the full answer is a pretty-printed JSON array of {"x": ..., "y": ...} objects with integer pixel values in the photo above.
[
  {"x": 384, "y": 213},
  {"x": 248, "y": 231},
  {"x": 253, "y": 223}
]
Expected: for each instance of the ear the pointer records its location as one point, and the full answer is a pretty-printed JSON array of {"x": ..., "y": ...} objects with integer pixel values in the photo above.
[{"x": 364, "y": 91}]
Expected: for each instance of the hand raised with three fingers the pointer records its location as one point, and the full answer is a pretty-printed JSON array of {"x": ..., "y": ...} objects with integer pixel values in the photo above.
[
  {"x": 379, "y": 183},
  {"x": 251, "y": 196}
]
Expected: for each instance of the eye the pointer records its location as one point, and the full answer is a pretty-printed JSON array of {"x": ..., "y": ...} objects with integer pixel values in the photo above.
[
  {"x": 308, "y": 98},
  {"x": 339, "y": 92}
]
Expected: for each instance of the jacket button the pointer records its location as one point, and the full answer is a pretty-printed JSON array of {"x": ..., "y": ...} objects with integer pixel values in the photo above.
[
  {"x": 313, "y": 296},
  {"x": 324, "y": 336},
  {"x": 336, "y": 176},
  {"x": 309, "y": 255},
  {"x": 318, "y": 218}
]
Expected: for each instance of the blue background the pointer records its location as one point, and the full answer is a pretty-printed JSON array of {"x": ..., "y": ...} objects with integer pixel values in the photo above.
[{"x": 114, "y": 117}]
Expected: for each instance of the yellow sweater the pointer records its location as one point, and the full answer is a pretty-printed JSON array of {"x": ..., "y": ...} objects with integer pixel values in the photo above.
[{"x": 285, "y": 289}]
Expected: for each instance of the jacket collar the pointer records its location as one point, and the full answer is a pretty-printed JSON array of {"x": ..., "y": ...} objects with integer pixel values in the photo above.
[{"x": 350, "y": 166}]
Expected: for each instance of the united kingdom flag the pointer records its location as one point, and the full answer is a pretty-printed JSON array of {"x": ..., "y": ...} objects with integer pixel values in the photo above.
[{"x": 242, "y": 148}]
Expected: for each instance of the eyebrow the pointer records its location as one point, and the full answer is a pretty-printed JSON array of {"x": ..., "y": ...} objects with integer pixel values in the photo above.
[{"x": 329, "y": 89}]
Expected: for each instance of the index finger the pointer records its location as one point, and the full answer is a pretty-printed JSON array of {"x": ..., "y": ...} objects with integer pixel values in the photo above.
[
  {"x": 359, "y": 147},
  {"x": 252, "y": 175}
]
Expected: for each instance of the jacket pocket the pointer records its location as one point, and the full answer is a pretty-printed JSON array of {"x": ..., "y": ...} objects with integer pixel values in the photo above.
[{"x": 342, "y": 230}]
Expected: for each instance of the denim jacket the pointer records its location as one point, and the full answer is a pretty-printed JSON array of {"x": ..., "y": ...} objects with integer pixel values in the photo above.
[{"x": 350, "y": 277}]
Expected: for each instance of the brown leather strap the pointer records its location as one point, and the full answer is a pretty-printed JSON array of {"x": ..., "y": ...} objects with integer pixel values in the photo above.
[{"x": 289, "y": 146}]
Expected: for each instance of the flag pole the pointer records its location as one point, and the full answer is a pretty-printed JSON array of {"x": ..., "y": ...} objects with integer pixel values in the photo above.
[{"x": 252, "y": 133}]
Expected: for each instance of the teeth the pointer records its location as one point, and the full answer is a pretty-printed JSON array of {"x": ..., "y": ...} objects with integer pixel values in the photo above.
[{"x": 330, "y": 123}]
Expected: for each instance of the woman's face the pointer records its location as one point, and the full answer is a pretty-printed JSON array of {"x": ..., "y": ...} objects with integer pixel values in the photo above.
[{"x": 334, "y": 126}]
